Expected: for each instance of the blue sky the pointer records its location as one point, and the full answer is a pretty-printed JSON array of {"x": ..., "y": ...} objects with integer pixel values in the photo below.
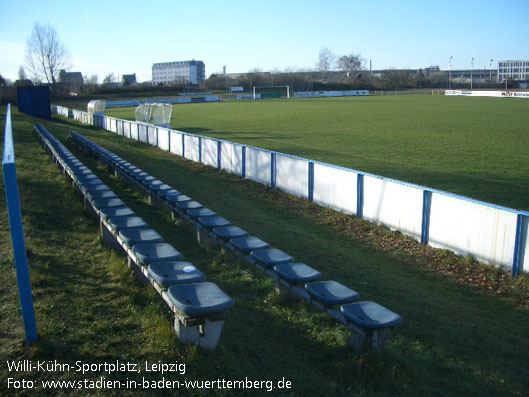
[{"x": 129, "y": 36}]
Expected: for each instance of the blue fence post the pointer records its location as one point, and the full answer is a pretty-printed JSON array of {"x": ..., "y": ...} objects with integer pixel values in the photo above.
[
  {"x": 17, "y": 232},
  {"x": 426, "y": 207},
  {"x": 169, "y": 139},
  {"x": 157, "y": 142},
  {"x": 517, "y": 245},
  {"x": 272, "y": 170},
  {"x": 311, "y": 181},
  {"x": 219, "y": 154},
  {"x": 243, "y": 155},
  {"x": 360, "y": 195},
  {"x": 199, "y": 149},
  {"x": 183, "y": 145}
]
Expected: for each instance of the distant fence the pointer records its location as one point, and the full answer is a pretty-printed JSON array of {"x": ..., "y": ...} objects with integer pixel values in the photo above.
[
  {"x": 17, "y": 232},
  {"x": 489, "y": 232},
  {"x": 315, "y": 94},
  {"x": 136, "y": 102},
  {"x": 501, "y": 94}
]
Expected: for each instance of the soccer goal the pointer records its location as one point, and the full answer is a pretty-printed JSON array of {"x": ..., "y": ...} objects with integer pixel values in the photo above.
[{"x": 272, "y": 91}]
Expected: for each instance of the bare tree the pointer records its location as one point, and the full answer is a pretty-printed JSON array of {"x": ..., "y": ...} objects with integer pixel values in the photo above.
[
  {"x": 92, "y": 80},
  {"x": 45, "y": 54},
  {"x": 348, "y": 63},
  {"x": 325, "y": 60},
  {"x": 109, "y": 78}
]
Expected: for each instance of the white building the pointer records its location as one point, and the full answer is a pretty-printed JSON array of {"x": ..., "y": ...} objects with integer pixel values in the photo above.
[
  {"x": 516, "y": 70},
  {"x": 188, "y": 72}
]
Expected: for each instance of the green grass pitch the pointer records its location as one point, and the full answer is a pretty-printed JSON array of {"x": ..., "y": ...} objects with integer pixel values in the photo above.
[{"x": 476, "y": 147}]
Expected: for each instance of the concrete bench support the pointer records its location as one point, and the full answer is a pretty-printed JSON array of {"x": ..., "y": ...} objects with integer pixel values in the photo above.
[
  {"x": 205, "y": 335},
  {"x": 370, "y": 325}
]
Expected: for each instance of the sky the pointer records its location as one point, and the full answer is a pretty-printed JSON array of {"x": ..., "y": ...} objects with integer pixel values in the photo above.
[{"x": 124, "y": 37}]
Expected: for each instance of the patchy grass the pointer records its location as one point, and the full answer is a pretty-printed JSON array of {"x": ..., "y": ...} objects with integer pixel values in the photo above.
[{"x": 456, "y": 339}]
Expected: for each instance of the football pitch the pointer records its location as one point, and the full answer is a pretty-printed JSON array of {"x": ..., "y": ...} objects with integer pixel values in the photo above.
[{"x": 477, "y": 147}]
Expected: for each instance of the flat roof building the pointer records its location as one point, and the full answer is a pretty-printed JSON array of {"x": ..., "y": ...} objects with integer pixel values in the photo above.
[
  {"x": 515, "y": 70},
  {"x": 186, "y": 72}
]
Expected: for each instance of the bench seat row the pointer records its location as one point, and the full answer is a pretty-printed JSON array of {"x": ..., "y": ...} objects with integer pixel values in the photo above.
[
  {"x": 200, "y": 307},
  {"x": 369, "y": 322}
]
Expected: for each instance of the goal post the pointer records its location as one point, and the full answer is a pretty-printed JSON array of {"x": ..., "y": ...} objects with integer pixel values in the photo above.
[{"x": 271, "y": 91}]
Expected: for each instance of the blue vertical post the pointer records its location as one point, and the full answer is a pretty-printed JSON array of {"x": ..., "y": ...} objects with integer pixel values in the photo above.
[
  {"x": 183, "y": 146},
  {"x": 243, "y": 155},
  {"x": 426, "y": 207},
  {"x": 169, "y": 139},
  {"x": 157, "y": 142},
  {"x": 17, "y": 232},
  {"x": 199, "y": 149},
  {"x": 272, "y": 170},
  {"x": 518, "y": 245},
  {"x": 311, "y": 181},
  {"x": 360, "y": 195},
  {"x": 219, "y": 154}
]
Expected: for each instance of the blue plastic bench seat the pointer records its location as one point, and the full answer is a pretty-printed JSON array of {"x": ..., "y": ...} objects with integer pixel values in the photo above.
[
  {"x": 209, "y": 222},
  {"x": 138, "y": 235},
  {"x": 176, "y": 198},
  {"x": 297, "y": 273},
  {"x": 127, "y": 222},
  {"x": 187, "y": 205},
  {"x": 370, "y": 315},
  {"x": 159, "y": 252},
  {"x": 151, "y": 182},
  {"x": 160, "y": 187},
  {"x": 108, "y": 202},
  {"x": 135, "y": 171},
  {"x": 331, "y": 293},
  {"x": 88, "y": 183},
  {"x": 97, "y": 187},
  {"x": 228, "y": 232},
  {"x": 148, "y": 180},
  {"x": 199, "y": 299},
  {"x": 88, "y": 177},
  {"x": 196, "y": 212},
  {"x": 141, "y": 176},
  {"x": 92, "y": 195},
  {"x": 79, "y": 171},
  {"x": 175, "y": 272},
  {"x": 249, "y": 244},
  {"x": 116, "y": 211},
  {"x": 271, "y": 257},
  {"x": 163, "y": 193}
]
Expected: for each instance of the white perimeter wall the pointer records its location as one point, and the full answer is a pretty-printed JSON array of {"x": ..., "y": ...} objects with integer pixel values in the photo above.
[
  {"x": 258, "y": 166},
  {"x": 335, "y": 188},
  {"x": 191, "y": 147},
  {"x": 395, "y": 205},
  {"x": 468, "y": 227},
  {"x": 292, "y": 175},
  {"x": 210, "y": 151},
  {"x": 231, "y": 157}
]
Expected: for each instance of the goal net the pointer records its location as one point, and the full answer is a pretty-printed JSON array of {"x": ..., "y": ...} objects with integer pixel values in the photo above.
[{"x": 272, "y": 91}]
